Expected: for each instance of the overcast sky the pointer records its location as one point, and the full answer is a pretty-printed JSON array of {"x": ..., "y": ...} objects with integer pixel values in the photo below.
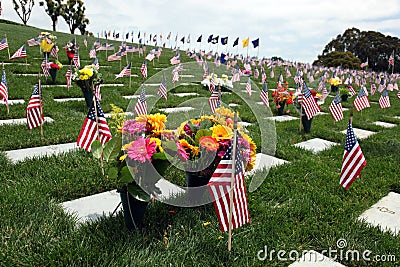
[{"x": 294, "y": 30}]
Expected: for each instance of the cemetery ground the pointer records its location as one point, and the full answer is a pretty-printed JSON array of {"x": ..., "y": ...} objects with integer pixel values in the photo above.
[{"x": 300, "y": 205}]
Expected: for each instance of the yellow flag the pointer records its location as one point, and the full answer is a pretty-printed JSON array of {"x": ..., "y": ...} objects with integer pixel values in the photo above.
[{"x": 245, "y": 42}]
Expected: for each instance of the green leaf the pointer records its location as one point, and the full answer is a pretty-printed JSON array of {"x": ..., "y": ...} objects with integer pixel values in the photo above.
[
  {"x": 201, "y": 133},
  {"x": 112, "y": 148},
  {"x": 97, "y": 149},
  {"x": 159, "y": 156},
  {"x": 206, "y": 124},
  {"x": 112, "y": 172},
  {"x": 125, "y": 176},
  {"x": 138, "y": 193}
]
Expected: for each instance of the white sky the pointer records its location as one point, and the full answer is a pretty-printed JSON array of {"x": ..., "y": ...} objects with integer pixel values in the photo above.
[{"x": 294, "y": 30}]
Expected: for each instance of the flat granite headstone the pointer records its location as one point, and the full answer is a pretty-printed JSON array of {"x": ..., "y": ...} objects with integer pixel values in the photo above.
[
  {"x": 385, "y": 214},
  {"x": 91, "y": 208},
  {"x": 21, "y": 121},
  {"x": 316, "y": 145},
  {"x": 186, "y": 94},
  {"x": 178, "y": 109},
  {"x": 385, "y": 124},
  {"x": 282, "y": 118},
  {"x": 244, "y": 123},
  {"x": 313, "y": 258},
  {"x": 264, "y": 161},
  {"x": 234, "y": 105},
  {"x": 397, "y": 117},
  {"x": 32, "y": 152},
  {"x": 108, "y": 115},
  {"x": 61, "y": 100},
  {"x": 360, "y": 133},
  {"x": 13, "y": 102},
  {"x": 135, "y": 96}
]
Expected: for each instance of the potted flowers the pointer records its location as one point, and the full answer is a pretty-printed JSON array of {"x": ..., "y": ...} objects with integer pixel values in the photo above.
[
  {"x": 335, "y": 82},
  {"x": 282, "y": 96},
  {"x": 205, "y": 140},
  {"x": 87, "y": 78},
  {"x": 222, "y": 81},
  {"x": 134, "y": 160},
  {"x": 53, "y": 68},
  {"x": 47, "y": 42}
]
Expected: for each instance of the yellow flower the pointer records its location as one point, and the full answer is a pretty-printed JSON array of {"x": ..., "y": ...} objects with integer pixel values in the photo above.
[
  {"x": 221, "y": 132},
  {"x": 335, "y": 81},
  {"x": 225, "y": 112},
  {"x": 206, "y": 223},
  {"x": 156, "y": 121},
  {"x": 220, "y": 237},
  {"x": 81, "y": 77},
  {"x": 158, "y": 143}
]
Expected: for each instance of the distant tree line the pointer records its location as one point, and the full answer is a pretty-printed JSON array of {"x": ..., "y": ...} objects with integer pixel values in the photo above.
[
  {"x": 73, "y": 12},
  {"x": 355, "y": 47}
]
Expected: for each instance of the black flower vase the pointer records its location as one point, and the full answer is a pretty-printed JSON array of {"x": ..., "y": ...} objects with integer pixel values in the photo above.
[
  {"x": 133, "y": 209},
  {"x": 306, "y": 123},
  {"x": 344, "y": 97},
  {"x": 53, "y": 74},
  {"x": 196, "y": 187},
  {"x": 86, "y": 87},
  {"x": 334, "y": 88},
  {"x": 281, "y": 108}
]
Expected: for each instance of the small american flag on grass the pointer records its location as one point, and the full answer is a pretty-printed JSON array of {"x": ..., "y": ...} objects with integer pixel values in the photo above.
[{"x": 34, "y": 114}]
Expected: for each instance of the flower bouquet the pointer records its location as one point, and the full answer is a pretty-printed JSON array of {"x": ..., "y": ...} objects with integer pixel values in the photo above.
[
  {"x": 223, "y": 81},
  {"x": 47, "y": 41},
  {"x": 134, "y": 160},
  {"x": 282, "y": 96},
  {"x": 53, "y": 68},
  {"x": 87, "y": 78},
  {"x": 335, "y": 82},
  {"x": 205, "y": 140}
]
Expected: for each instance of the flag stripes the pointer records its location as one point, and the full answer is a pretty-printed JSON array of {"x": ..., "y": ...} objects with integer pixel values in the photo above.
[{"x": 34, "y": 114}]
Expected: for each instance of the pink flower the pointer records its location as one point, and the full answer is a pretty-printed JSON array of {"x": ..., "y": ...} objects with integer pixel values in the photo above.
[
  {"x": 133, "y": 127},
  {"x": 142, "y": 150},
  {"x": 181, "y": 152},
  {"x": 187, "y": 129}
]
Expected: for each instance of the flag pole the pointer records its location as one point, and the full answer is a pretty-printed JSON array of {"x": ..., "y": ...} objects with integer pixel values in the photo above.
[
  {"x": 41, "y": 105},
  {"x": 97, "y": 126},
  {"x": 393, "y": 63},
  {"x": 2, "y": 68},
  {"x": 8, "y": 47},
  {"x": 301, "y": 109},
  {"x": 130, "y": 78},
  {"x": 232, "y": 182}
]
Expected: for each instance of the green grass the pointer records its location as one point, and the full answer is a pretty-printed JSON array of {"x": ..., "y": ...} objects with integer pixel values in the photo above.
[{"x": 300, "y": 206}]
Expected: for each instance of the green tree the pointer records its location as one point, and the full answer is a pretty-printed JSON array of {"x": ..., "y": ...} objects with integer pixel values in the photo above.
[
  {"x": 74, "y": 14},
  {"x": 53, "y": 9},
  {"x": 336, "y": 58},
  {"x": 82, "y": 27},
  {"x": 370, "y": 45},
  {"x": 23, "y": 9}
]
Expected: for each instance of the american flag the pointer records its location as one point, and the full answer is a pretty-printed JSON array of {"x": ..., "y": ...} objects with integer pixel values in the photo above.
[
  {"x": 54, "y": 51},
  {"x": 45, "y": 67},
  {"x": 85, "y": 42},
  {"x": 162, "y": 90},
  {"x": 33, "y": 42},
  {"x": 105, "y": 47},
  {"x": 264, "y": 95},
  {"x": 143, "y": 69},
  {"x": 384, "y": 101},
  {"x": 34, "y": 116},
  {"x": 113, "y": 57},
  {"x": 351, "y": 89},
  {"x": 95, "y": 63},
  {"x": 96, "y": 43},
  {"x": 151, "y": 55},
  {"x": 3, "y": 43},
  {"x": 219, "y": 187},
  {"x": 3, "y": 88},
  {"x": 92, "y": 52},
  {"x": 361, "y": 100},
  {"x": 398, "y": 94},
  {"x": 97, "y": 92},
  {"x": 94, "y": 128},
  {"x": 263, "y": 75},
  {"x": 280, "y": 79},
  {"x": 141, "y": 105},
  {"x": 272, "y": 73},
  {"x": 391, "y": 59},
  {"x": 175, "y": 59},
  {"x": 373, "y": 89},
  {"x": 124, "y": 72},
  {"x": 68, "y": 77},
  {"x": 308, "y": 103},
  {"x": 248, "y": 86},
  {"x": 256, "y": 73},
  {"x": 336, "y": 109},
  {"x": 211, "y": 88},
  {"x": 236, "y": 74},
  {"x": 20, "y": 53},
  {"x": 76, "y": 60},
  {"x": 214, "y": 101},
  {"x": 353, "y": 160}
]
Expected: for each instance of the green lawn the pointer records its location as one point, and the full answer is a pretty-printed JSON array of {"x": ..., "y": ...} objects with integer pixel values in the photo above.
[{"x": 300, "y": 206}]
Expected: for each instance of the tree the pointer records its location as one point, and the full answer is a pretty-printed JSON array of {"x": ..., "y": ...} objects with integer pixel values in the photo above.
[
  {"x": 23, "y": 9},
  {"x": 370, "y": 45},
  {"x": 336, "y": 58},
  {"x": 82, "y": 27},
  {"x": 74, "y": 14},
  {"x": 53, "y": 9}
]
